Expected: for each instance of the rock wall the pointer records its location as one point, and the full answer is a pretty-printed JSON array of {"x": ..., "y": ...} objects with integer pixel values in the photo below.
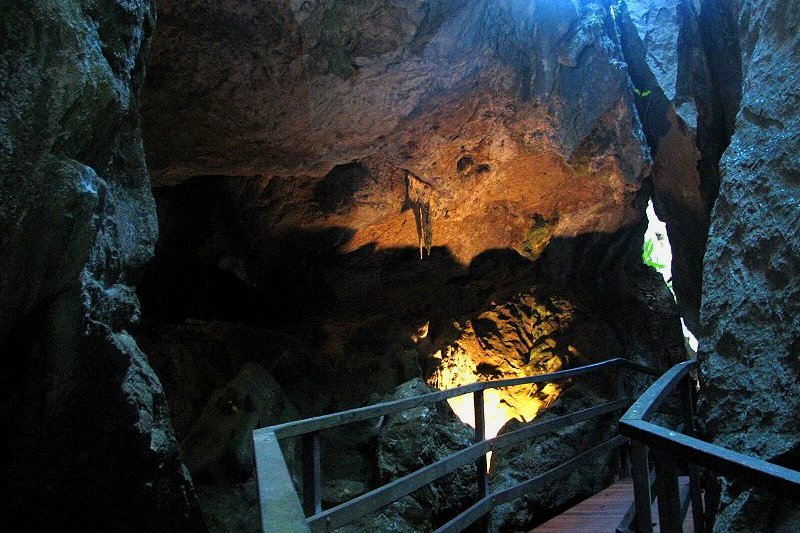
[
  {"x": 751, "y": 294},
  {"x": 685, "y": 70},
  {"x": 87, "y": 441}
]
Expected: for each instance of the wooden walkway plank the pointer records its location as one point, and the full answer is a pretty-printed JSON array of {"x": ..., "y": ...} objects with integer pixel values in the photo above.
[{"x": 603, "y": 512}]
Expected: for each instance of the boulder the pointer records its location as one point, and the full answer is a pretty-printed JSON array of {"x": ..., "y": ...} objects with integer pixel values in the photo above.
[
  {"x": 220, "y": 445},
  {"x": 406, "y": 442},
  {"x": 418, "y": 437}
]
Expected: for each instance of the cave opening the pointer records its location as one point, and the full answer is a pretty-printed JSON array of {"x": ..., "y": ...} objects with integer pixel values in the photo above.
[{"x": 657, "y": 253}]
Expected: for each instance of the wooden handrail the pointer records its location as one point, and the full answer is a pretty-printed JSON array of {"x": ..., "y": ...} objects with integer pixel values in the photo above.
[
  {"x": 393, "y": 491},
  {"x": 668, "y": 445},
  {"x": 320, "y": 423},
  {"x": 279, "y": 500}
]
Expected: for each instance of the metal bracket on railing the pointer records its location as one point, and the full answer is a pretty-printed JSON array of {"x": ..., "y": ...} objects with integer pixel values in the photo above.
[{"x": 312, "y": 476}]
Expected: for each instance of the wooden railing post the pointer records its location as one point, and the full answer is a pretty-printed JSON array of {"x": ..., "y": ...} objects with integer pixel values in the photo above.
[
  {"x": 624, "y": 451},
  {"x": 481, "y": 465},
  {"x": 312, "y": 478},
  {"x": 695, "y": 491},
  {"x": 640, "y": 472},
  {"x": 669, "y": 505}
]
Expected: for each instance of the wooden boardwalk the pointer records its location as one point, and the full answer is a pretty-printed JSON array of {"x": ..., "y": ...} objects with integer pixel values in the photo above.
[{"x": 603, "y": 512}]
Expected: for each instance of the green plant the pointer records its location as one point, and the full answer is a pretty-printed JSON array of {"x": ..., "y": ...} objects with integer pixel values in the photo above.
[
  {"x": 642, "y": 94},
  {"x": 647, "y": 255}
]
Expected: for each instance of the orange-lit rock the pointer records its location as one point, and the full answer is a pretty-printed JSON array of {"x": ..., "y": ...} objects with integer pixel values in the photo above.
[
  {"x": 507, "y": 112},
  {"x": 508, "y": 341}
]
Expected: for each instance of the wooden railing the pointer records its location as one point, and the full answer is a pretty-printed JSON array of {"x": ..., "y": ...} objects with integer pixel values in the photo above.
[
  {"x": 283, "y": 512},
  {"x": 667, "y": 447}
]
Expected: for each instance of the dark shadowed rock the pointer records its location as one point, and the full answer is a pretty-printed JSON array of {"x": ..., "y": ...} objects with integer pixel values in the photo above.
[
  {"x": 218, "y": 450},
  {"x": 220, "y": 445},
  {"x": 87, "y": 437},
  {"x": 418, "y": 437},
  {"x": 406, "y": 442},
  {"x": 751, "y": 294},
  {"x": 676, "y": 99}
]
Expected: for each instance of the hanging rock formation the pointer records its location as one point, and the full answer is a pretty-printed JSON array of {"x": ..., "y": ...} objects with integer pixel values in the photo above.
[{"x": 87, "y": 440}]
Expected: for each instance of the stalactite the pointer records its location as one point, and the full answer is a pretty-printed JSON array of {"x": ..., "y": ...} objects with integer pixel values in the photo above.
[{"x": 418, "y": 196}]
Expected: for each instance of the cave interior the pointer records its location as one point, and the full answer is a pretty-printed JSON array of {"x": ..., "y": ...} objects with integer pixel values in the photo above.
[{"x": 220, "y": 216}]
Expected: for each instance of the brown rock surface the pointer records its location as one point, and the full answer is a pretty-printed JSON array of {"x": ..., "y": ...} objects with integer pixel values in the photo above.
[{"x": 493, "y": 106}]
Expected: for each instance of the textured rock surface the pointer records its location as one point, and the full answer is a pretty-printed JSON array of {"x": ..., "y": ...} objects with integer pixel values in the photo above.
[
  {"x": 408, "y": 441},
  {"x": 544, "y": 330},
  {"x": 751, "y": 294},
  {"x": 680, "y": 87},
  {"x": 489, "y": 108},
  {"x": 418, "y": 437},
  {"x": 86, "y": 433}
]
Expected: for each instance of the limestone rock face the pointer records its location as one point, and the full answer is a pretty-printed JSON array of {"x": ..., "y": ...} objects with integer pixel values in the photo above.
[
  {"x": 87, "y": 438},
  {"x": 218, "y": 450},
  {"x": 341, "y": 113},
  {"x": 751, "y": 296},
  {"x": 544, "y": 330},
  {"x": 682, "y": 86}
]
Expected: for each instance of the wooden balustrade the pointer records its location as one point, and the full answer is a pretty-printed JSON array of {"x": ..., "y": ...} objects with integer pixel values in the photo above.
[
  {"x": 281, "y": 507},
  {"x": 670, "y": 448}
]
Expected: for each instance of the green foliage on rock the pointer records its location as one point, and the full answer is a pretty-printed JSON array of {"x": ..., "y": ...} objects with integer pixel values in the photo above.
[
  {"x": 537, "y": 237},
  {"x": 647, "y": 255}
]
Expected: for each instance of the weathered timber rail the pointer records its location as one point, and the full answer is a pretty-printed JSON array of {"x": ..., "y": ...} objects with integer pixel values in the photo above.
[
  {"x": 280, "y": 504},
  {"x": 667, "y": 447}
]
